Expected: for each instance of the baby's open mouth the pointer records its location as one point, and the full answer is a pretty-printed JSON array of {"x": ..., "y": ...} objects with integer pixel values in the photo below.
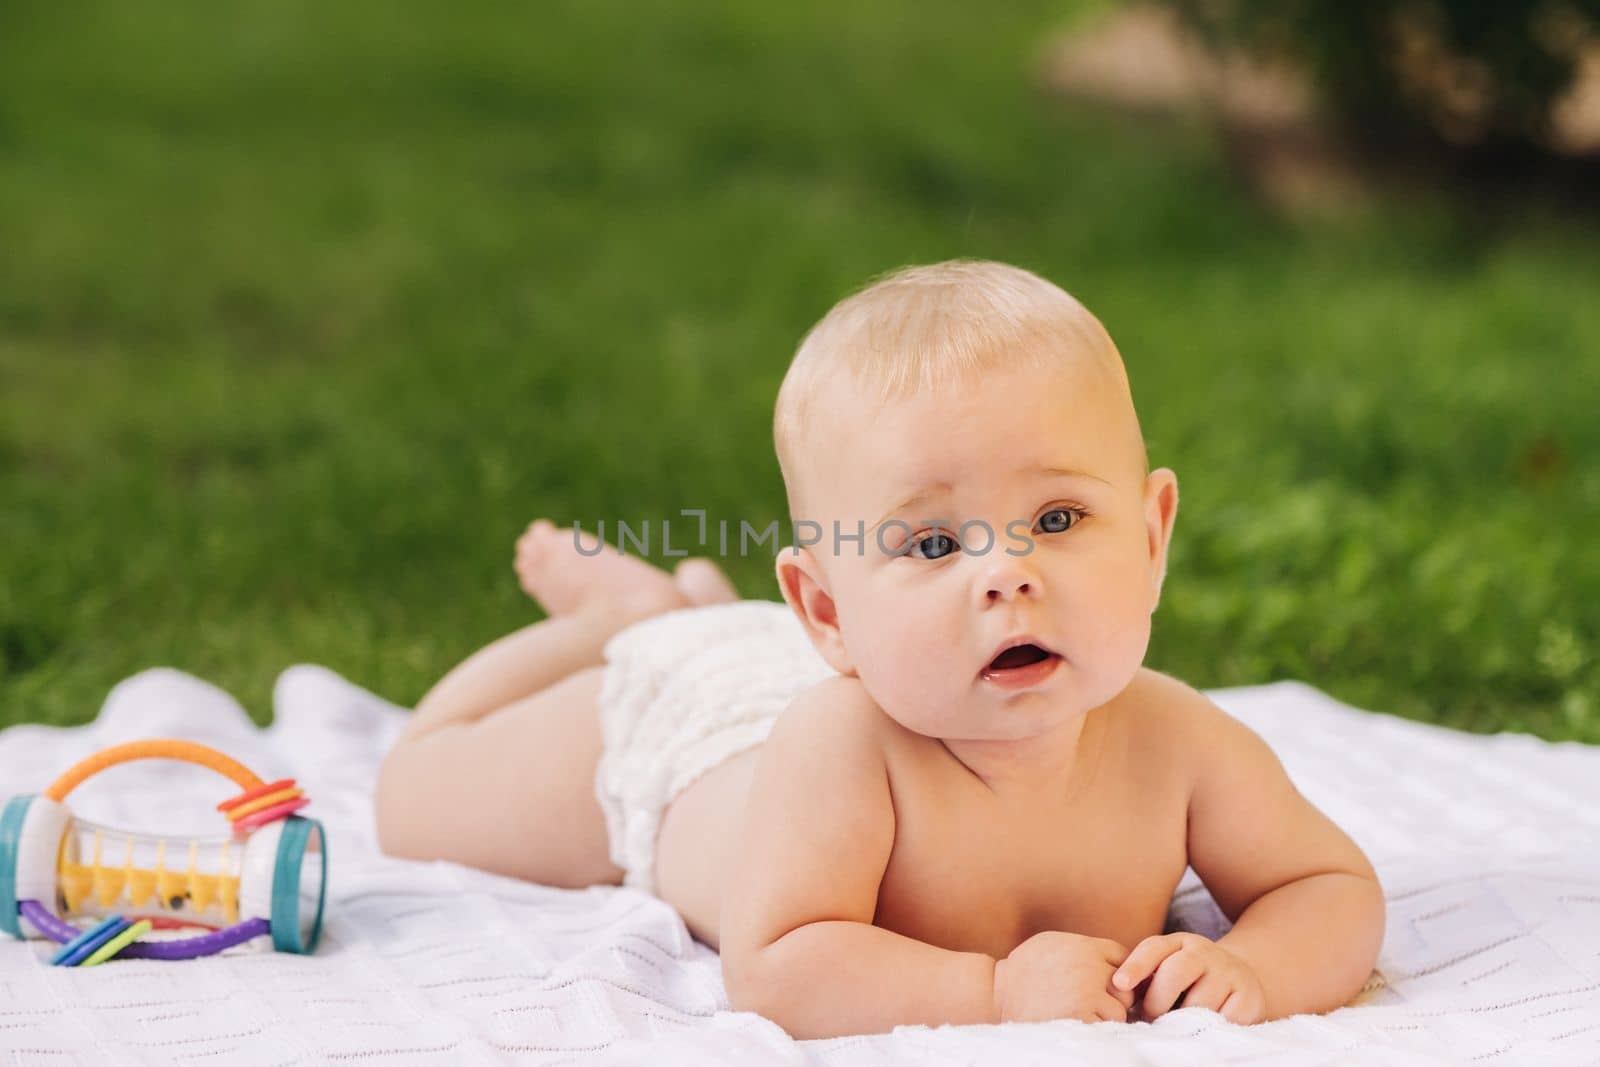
[
  {"x": 1019, "y": 656},
  {"x": 1021, "y": 667}
]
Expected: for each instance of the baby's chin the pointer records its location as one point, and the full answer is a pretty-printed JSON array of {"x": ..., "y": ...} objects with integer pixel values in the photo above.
[
  {"x": 1024, "y": 716},
  {"x": 985, "y": 712}
]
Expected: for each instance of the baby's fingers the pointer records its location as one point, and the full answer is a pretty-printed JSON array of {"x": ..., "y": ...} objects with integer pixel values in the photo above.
[
  {"x": 1176, "y": 974},
  {"x": 1125, "y": 997},
  {"x": 1211, "y": 991},
  {"x": 1144, "y": 959},
  {"x": 1109, "y": 1010},
  {"x": 1243, "y": 1006}
]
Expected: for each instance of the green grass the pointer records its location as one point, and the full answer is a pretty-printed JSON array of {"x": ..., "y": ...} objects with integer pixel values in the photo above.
[{"x": 307, "y": 309}]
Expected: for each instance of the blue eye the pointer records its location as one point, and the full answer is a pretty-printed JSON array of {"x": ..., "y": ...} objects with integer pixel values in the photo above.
[
  {"x": 936, "y": 545},
  {"x": 1059, "y": 520}
]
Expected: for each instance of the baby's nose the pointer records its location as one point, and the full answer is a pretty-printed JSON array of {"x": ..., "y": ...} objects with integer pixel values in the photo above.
[
  {"x": 1007, "y": 580},
  {"x": 1004, "y": 589}
]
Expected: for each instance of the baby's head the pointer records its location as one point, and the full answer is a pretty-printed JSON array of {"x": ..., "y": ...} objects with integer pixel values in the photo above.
[{"x": 973, "y": 422}]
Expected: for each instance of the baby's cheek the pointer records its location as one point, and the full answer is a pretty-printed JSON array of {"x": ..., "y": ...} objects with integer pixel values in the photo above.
[
  {"x": 1112, "y": 628},
  {"x": 907, "y": 672},
  {"x": 882, "y": 659},
  {"x": 912, "y": 665},
  {"x": 1129, "y": 639}
]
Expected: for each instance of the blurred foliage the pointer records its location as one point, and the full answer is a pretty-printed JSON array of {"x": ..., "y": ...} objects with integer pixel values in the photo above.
[
  {"x": 306, "y": 310},
  {"x": 1481, "y": 72}
]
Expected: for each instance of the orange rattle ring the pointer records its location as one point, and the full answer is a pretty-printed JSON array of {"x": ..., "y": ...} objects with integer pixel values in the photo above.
[{"x": 158, "y": 748}]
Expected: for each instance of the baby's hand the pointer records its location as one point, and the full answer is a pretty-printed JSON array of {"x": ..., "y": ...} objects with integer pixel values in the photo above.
[
  {"x": 1199, "y": 970},
  {"x": 1056, "y": 975}
]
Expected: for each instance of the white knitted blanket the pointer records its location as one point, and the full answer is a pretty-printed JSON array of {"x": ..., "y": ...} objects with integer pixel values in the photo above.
[{"x": 1486, "y": 847}]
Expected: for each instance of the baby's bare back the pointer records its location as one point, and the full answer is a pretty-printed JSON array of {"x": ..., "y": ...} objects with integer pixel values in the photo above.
[{"x": 969, "y": 870}]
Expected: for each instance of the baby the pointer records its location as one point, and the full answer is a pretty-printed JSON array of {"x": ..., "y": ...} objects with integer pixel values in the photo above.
[{"x": 936, "y": 784}]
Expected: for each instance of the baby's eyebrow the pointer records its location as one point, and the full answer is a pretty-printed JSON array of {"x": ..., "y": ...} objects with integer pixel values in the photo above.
[
  {"x": 1067, "y": 472},
  {"x": 917, "y": 497}
]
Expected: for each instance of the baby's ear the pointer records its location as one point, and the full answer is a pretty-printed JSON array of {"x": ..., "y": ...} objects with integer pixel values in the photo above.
[
  {"x": 1160, "y": 509},
  {"x": 805, "y": 590}
]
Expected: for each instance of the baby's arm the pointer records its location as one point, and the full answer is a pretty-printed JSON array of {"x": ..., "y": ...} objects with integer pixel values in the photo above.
[
  {"x": 797, "y": 939},
  {"x": 1307, "y": 908}
]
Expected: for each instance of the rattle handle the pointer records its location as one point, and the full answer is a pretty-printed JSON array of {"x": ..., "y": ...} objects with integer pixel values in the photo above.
[{"x": 157, "y": 748}]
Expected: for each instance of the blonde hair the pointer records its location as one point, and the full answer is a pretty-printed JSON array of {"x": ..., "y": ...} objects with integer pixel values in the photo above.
[{"x": 923, "y": 328}]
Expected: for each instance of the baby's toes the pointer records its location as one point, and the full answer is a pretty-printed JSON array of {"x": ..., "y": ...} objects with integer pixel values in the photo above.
[
  {"x": 703, "y": 582},
  {"x": 533, "y": 539},
  {"x": 531, "y": 555},
  {"x": 535, "y": 531},
  {"x": 525, "y": 577}
]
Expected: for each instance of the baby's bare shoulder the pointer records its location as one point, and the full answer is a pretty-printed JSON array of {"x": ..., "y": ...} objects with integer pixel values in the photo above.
[
  {"x": 1171, "y": 716},
  {"x": 834, "y": 718},
  {"x": 836, "y": 728},
  {"x": 1167, "y": 699},
  {"x": 1199, "y": 741}
]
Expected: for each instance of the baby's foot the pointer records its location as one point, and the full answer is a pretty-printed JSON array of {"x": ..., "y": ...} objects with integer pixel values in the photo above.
[
  {"x": 702, "y": 582},
  {"x": 564, "y": 580}
]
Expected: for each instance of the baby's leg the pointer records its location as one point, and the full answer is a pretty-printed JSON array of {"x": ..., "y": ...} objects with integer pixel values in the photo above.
[
  {"x": 496, "y": 767},
  {"x": 511, "y": 791}
]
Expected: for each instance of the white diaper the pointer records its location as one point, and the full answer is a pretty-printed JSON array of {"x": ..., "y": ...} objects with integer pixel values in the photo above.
[{"x": 682, "y": 693}]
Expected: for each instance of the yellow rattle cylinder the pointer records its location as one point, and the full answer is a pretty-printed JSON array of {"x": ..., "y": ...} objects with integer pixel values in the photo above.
[{"x": 102, "y": 871}]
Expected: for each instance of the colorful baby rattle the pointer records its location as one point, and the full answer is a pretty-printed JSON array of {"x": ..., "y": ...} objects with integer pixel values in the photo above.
[{"x": 269, "y": 876}]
